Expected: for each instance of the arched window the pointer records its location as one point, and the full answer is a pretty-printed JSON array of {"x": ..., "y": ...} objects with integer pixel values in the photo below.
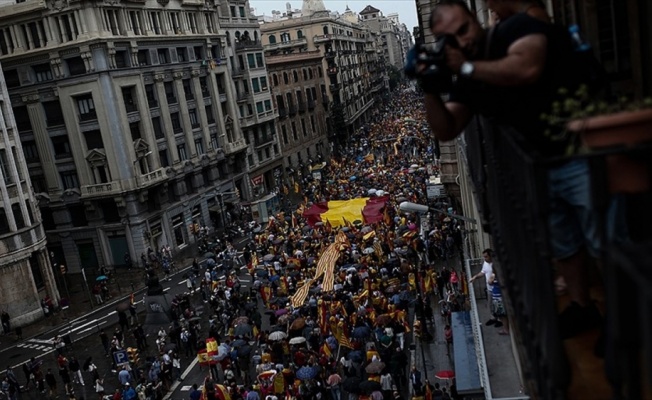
[
  {"x": 237, "y": 35},
  {"x": 310, "y": 73},
  {"x": 285, "y": 37},
  {"x": 275, "y": 80},
  {"x": 285, "y": 78},
  {"x": 299, "y": 34},
  {"x": 321, "y": 73},
  {"x": 228, "y": 38},
  {"x": 326, "y": 30},
  {"x": 272, "y": 39},
  {"x": 305, "y": 75},
  {"x": 296, "y": 76}
]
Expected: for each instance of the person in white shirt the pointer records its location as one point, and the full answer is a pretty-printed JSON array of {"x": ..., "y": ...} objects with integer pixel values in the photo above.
[{"x": 486, "y": 271}]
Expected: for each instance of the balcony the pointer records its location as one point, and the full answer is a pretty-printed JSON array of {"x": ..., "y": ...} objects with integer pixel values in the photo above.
[
  {"x": 238, "y": 22},
  {"x": 235, "y": 146},
  {"x": 248, "y": 45},
  {"x": 287, "y": 44},
  {"x": 322, "y": 39},
  {"x": 242, "y": 97},
  {"x": 101, "y": 190},
  {"x": 264, "y": 141},
  {"x": 237, "y": 72},
  {"x": 151, "y": 178},
  {"x": 511, "y": 190},
  {"x": 248, "y": 121}
]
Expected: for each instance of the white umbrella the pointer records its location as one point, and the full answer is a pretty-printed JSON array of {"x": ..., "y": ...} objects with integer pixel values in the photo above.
[
  {"x": 278, "y": 335},
  {"x": 372, "y": 191},
  {"x": 380, "y": 193},
  {"x": 297, "y": 340},
  {"x": 414, "y": 166},
  {"x": 368, "y": 250}
]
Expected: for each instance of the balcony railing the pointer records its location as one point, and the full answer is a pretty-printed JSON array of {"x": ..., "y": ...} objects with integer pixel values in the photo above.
[
  {"x": 258, "y": 142},
  {"x": 511, "y": 189},
  {"x": 322, "y": 38},
  {"x": 101, "y": 189},
  {"x": 151, "y": 178},
  {"x": 287, "y": 44},
  {"x": 248, "y": 45},
  {"x": 235, "y": 146}
]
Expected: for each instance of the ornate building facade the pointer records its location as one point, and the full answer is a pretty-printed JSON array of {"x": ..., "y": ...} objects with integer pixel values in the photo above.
[{"x": 26, "y": 276}]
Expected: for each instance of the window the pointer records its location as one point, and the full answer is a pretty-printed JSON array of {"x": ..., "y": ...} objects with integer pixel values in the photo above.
[
  {"x": 303, "y": 127},
  {"x": 22, "y": 118},
  {"x": 176, "y": 122},
  {"x": 263, "y": 82},
  {"x": 325, "y": 30},
  {"x": 260, "y": 108},
  {"x": 194, "y": 121},
  {"x": 86, "y": 107},
  {"x": 69, "y": 180},
  {"x": 30, "y": 151},
  {"x": 163, "y": 156},
  {"x": 294, "y": 132},
  {"x": 163, "y": 56},
  {"x": 43, "y": 72},
  {"x": 242, "y": 12},
  {"x": 122, "y": 59},
  {"x": 143, "y": 58},
  {"x": 4, "y": 167},
  {"x": 18, "y": 216},
  {"x": 182, "y": 152},
  {"x": 187, "y": 89},
  {"x": 53, "y": 114},
  {"x": 150, "y": 92},
  {"x": 251, "y": 60},
  {"x": 214, "y": 143},
  {"x": 199, "y": 145},
  {"x": 268, "y": 105},
  {"x": 76, "y": 66},
  {"x": 199, "y": 51},
  {"x": 255, "y": 85},
  {"x": 61, "y": 147},
  {"x": 259, "y": 60},
  {"x": 285, "y": 78},
  {"x": 136, "y": 22},
  {"x": 295, "y": 76},
  {"x": 182, "y": 54},
  {"x": 169, "y": 93},
  {"x": 305, "y": 74},
  {"x": 275, "y": 80},
  {"x": 250, "y": 160},
  {"x": 134, "y": 129},
  {"x": 94, "y": 139},
  {"x": 210, "y": 118},
  {"x": 284, "y": 133},
  {"x": 310, "y": 75},
  {"x": 12, "y": 79},
  {"x": 129, "y": 96},
  {"x": 4, "y": 222},
  {"x": 285, "y": 37},
  {"x": 272, "y": 39},
  {"x": 312, "y": 123},
  {"x": 299, "y": 34},
  {"x": 203, "y": 84},
  {"x": 158, "y": 129}
]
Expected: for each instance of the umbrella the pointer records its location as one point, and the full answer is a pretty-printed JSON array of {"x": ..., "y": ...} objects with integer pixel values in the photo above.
[
  {"x": 266, "y": 375},
  {"x": 262, "y": 273},
  {"x": 375, "y": 367},
  {"x": 194, "y": 319},
  {"x": 298, "y": 323},
  {"x": 280, "y": 312},
  {"x": 283, "y": 319},
  {"x": 368, "y": 250},
  {"x": 353, "y": 178},
  {"x": 297, "y": 340},
  {"x": 240, "y": 320},
  {"x": 366, "y": 229},
  {"x": 361, "y": 332},
  {"x": 277, "y": 335},
  {"x": 447, "y": 374},
  {"x": 370, "y": 386},
  {"x": 102, "y": 278},
  {"x": 169, "y": 347},
  {"x": 383, "y": 319},
  {"x": 258, "y": 229},
  {"x": 305, "y": 373},
  {"x": 274, "y": 278},
  {"x": 268, "y": 257},
  {"x": 209, "y": 255},
  {"x": 276, "y": 328},
  {"x": 414, "y": 166},
  {"x": 238, "y": 343},
  {"x": 244, "y": 350},
  {"x": 355, "y": 355},
  {"x": 351, "y": 384},
  {"x": 122, "y": 306},
  {"x": 242, "y": 330}
]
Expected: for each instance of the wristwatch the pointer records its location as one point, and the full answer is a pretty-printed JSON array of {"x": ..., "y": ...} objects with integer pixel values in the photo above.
[{"x": 467, "y": 68}]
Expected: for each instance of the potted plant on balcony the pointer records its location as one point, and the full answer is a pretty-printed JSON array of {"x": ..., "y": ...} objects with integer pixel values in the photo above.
[{"x": 601, "y": 125}]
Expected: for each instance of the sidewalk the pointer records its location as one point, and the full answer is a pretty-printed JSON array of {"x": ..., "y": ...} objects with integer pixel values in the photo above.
[{"x": 122, "y": 284}]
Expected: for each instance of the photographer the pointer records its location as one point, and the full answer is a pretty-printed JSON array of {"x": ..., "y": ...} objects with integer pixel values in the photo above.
[{"x": 511, "y": 75}]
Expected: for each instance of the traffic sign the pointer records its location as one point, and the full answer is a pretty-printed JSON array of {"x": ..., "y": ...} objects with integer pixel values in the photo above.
[{"x": 120, "y": 357}]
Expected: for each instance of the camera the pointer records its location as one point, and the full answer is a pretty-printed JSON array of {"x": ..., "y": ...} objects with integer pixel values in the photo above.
[{"x": 427, "y": 62}]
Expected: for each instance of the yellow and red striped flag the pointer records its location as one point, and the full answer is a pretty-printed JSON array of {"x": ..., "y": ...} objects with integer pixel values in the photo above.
[
  {"x": 326, "y": 350},
  {"x": 300, "y": 296},
  {"x": 342, "y": 336}
]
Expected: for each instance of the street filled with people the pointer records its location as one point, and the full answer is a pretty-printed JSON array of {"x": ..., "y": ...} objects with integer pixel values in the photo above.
[{"x": 316, "y": 305}]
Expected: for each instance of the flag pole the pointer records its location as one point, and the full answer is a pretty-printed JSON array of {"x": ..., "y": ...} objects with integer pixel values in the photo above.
[{"x": 339, "y": 346}]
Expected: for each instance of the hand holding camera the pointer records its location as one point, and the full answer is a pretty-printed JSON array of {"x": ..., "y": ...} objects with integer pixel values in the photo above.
[{"x": 429, "y": 63}]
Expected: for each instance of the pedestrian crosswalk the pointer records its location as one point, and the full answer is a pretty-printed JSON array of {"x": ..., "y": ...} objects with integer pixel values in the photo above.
[{"x": 36, "y": 344}]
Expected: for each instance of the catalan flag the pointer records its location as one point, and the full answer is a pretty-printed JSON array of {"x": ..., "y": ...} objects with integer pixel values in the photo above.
[
  {"x": 300, "y": 296},
  {"x": 343, "y": 336},
  {"x": 338, "y": 212},
  {"x": 370, "y": 157},
  {"x": 326, "y": 350}
]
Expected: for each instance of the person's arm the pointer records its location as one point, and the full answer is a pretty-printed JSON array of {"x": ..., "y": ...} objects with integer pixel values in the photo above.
[
  {"x": 446, "y": 120},
  {"x": 523, "y": 64}
]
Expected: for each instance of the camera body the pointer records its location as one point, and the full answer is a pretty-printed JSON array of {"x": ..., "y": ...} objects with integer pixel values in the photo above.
[{"x": 427, "y": 62}]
